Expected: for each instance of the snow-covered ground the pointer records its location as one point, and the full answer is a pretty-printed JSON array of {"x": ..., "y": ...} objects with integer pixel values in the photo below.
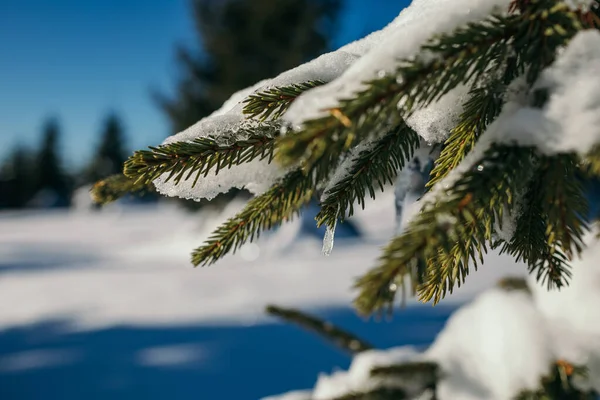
[{"x": 106, "y": 304}]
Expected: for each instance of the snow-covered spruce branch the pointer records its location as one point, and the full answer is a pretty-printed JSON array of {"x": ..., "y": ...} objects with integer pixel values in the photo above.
[
  {"x": 519, "y": 44},
  {"x": 280, "y": 203},
  {"x": 461, "y": 57},
  {"x": 184, "y": 160},
  {"x": 116, "y": 186},
  {"x": 448, "y": 233},
  {"x": 273, "y": 102},
  {"x": 375, "y": 164},
  {"x": 339, "y": 337},
  {"x": 454, "y": 59}
]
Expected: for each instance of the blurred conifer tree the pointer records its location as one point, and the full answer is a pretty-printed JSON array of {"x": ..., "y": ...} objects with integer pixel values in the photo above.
[
  {"x": 243, "y": 42},
  {"x": 16, "y": 179},
  {"x": 52, "y": 186},
  {"x": 110, "y": 153}
]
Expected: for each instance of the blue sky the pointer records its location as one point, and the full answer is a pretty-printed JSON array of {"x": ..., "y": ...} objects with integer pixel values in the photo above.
[{"x": 79, "y": 60}]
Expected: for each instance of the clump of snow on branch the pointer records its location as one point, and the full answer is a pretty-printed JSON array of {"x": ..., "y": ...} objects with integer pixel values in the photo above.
[
  {"x": 570, "y": 119},
  {"x": 492, "y": 348},
  {"x": 402, "y": 39},
  {"x": 434, "y": 122},
  {"x": 357, "y": 378}
]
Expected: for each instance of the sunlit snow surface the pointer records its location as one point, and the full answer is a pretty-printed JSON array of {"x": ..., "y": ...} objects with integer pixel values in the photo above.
[
  {"x": 132, "y": 266},
  {"x": 107, "y": 304}
]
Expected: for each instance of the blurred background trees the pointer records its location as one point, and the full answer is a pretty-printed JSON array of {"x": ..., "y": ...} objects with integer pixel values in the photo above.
[
  {"x": 238, "y": 43},
  {"x": 36, "y": 179},
  {"x": 242, "y": 42},
  {"x": 16, "y": 178}
]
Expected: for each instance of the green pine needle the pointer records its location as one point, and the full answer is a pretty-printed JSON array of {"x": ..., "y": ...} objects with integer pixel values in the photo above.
[
  {"x": 274, "y": 102},
  {"x": 280, "y": 203},
  {"x": 116, "y": 186},
  {"x": 184, "y": 160},
  {"x": 374, "y": 166}
]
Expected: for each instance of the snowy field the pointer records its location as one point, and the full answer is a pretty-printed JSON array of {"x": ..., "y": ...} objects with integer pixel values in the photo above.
[{"x": 106, "y": 305}]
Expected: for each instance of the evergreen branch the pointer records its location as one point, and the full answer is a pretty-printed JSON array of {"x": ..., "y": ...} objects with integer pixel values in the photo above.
[
  {"x": 342, "y": 339},
  {"x": 565, "y": 206},
  {"x": 381, "y": 393},
  {"x": 482, "y": 107},
  {"x": 280, "y": 203},
  {"x": 457, "y": 58},
  {"x": 182, "y": 160},
  {"x": 377, "y": 164},
  {"x": 116, "y": 186},
  {"x": 550, "y": 228},
  {"x": 274, "y": 102},
  {"x": 485, "y": 190},
  {"x": 460, "y": 57}
]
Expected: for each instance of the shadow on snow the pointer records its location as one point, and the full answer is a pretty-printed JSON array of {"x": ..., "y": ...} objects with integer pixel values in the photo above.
[{"x": 47, "y": 360}]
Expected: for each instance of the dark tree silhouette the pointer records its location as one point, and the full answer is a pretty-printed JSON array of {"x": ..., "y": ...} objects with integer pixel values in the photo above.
[{"x": 243, "y": 42}]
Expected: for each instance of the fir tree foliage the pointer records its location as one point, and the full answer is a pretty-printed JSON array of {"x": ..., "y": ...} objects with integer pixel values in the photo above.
[{"x": 476, "y": 186}]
